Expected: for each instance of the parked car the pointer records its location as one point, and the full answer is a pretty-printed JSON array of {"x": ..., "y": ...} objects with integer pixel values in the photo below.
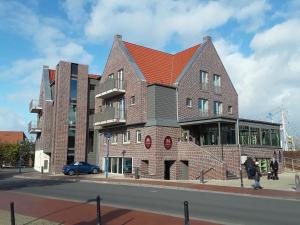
[{"x": 82, "y": 167}]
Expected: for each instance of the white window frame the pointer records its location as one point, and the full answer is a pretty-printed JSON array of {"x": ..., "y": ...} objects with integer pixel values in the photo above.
[
  {"x": 132, "y": 98},
  {"x": 230, "y": 109},
  {"x": 204, "y": 106},
  {"x": 127, "y": 136},
  {"x": 219, "y": 107},
  {"x": 114, "y": 138},
  {"x": 111, "y": 76},
  {"x": 203, "y": 79},
  {"x": 138, "y": 132},
  {"x": 189, "y": 102}
]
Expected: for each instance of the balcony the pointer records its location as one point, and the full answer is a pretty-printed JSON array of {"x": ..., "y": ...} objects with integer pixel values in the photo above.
[
  {"x": 34, "y": 128},
  {"x": 34, "y": 106},
  {"x": 110, "y": 116},
  {"x": 110, "y": 88},
  {"x": 203, "y": 113}
]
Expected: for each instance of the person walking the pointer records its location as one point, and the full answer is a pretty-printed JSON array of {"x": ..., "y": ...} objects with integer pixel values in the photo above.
[
  {"x": 274, "y": 166},
  {"x": 257, "y": 176}
]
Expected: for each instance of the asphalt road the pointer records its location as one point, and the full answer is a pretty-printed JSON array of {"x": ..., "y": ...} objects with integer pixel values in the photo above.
[{"x": 217, "y": 207}]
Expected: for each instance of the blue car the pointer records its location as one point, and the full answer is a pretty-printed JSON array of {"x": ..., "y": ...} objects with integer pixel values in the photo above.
[{"x": 82, "y": 167}]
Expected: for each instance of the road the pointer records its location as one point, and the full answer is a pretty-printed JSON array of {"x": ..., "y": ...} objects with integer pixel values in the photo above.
[{"x": 218, "y": 207}]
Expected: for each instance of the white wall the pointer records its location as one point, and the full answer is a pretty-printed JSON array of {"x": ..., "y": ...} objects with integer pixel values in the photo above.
[{"x": 39, "y": 159}]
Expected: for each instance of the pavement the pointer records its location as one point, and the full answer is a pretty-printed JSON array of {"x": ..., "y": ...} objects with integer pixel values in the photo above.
[
  {"x": 282, "y": 188},
  {"x": 31, "y": 209}
]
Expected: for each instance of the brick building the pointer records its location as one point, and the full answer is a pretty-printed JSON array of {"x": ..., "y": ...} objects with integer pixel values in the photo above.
[
  {"x": 174, "y": 115},
  {"x": 12, "y": 137},
  {"x": 65, "y": 108}
]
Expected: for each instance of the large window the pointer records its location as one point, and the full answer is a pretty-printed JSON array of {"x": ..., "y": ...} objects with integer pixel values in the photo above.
[
  {"x": 275, "y": 136},
  {"x": 244, "y": 135},
  {"x": 138, "y": 136},
  {"x": 71, "y": 139},
  {"x": 114, "y": 138},
  {"x": 217, "y": 83},
  {"x": 203, "y": 80},
  {"x": 211, "y": 136},
  {"x": 265, "y": 135},
  {"x": 72, "y": 115},
  {"x": 218, "y": 108},
  {"x": 73, "y": 91},
  {"x": 74, "y": 69},
  {"x": 126, "y": 137},
  {"x": 254, "y": 136},
  {"x": 203, "y": 107}
]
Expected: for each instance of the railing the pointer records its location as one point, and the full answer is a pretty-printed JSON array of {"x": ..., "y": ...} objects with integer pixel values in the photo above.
[
  {"x": 34, "y": 106},
  {"x": 217, "y": 89},
  {"x": 34, "y": 127},
  {"x": 110, "y": 87},
  {"x": 110, "y": 115},
  {"x": 293, "y": 164},
  {"x": 203, "y": 113}
]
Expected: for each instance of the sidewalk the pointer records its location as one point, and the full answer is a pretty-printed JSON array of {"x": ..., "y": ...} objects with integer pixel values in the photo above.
[
  {"x": 282, "y": 188},
  {"x": 32, "y": 209}
]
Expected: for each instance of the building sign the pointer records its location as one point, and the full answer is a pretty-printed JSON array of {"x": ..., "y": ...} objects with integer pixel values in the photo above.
[
  {"x": 168, "y": 142},
  {"x": 148, "y": 142}
]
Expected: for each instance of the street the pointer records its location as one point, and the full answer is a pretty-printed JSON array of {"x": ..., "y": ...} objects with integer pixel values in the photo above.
[{"x": 217, "y": 207}]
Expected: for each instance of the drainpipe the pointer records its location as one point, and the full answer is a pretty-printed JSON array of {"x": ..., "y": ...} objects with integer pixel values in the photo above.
[{"x": 177, "y": 117}]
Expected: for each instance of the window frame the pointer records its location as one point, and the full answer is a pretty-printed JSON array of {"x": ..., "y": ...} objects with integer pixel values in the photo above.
[
  {"x": 138, "y": 132},
  {"x": 127, "y": 135},
  {"x": 132, "y": 98},
  {"x": 187, "y": 101},
  {"x": 203, "y": 82}
]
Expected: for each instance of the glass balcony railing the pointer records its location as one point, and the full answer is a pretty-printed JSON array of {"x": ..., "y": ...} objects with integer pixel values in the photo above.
[
  {"x": 110, "y": 116},
  {"x": 34, "y": 127},
  {"x": 34, "y": 106},
  {"x": 203, "y": 113},
  {"x": 110, "y": 88}
]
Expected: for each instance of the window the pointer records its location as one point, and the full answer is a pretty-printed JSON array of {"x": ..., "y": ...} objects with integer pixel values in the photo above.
[
  {"x": 254, "y": 136},
  {"x": 132, "y": 100},
  {"x": 73, "y": 91},
  {"x": 244, "y": 135},
  {"x": 218, "y": 108},
  {"x": 114, "y": 138},
  {"x": 71, "y": 139},
  {"x": 230, "y": 109},
  {"x": 203, "y": 107},
  {"x": 203, "y": 80},
  {"x": 92, "y": 87},
  {"x": 126, "y": 137},
  {"x": 72, "y": 115},
  {"x": 91, "y": 141},
  {"x": 275, "y": 137},
  {"x": 91, "y": 111},
  {"x": 74, "y": 69},
  {"x": 217, "y": 84},
  {"x": 111, "y": 76},
  {"x": 121, "y": 79},
  {"x": 138, "y": 136},
  {"x": 189, "y": 102},
  {"x": 265, "y": 135},
  {"x": 108, "y": 103}
]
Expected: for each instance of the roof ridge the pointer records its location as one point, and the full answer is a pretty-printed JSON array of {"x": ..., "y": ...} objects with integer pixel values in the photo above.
[{"x": 187, "y": 49}]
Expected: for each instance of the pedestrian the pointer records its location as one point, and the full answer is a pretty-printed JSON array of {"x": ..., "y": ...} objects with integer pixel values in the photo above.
[
  {"x": 257, "y": 176},
  {"x": 274, "y": 166}
]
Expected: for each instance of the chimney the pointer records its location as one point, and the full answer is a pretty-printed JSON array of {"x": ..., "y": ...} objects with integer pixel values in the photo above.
[
  {"x": 206, "y": 39},
  {"x": 118, "y": 37}
]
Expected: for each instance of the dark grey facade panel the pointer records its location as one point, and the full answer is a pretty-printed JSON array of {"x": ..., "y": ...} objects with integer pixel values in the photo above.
[{"x": 47, "y": 84}]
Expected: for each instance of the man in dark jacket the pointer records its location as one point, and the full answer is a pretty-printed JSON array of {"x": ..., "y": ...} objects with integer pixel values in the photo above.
[
  {"x": 274, "y": 166},
  {"x": 257, "y": 176}
]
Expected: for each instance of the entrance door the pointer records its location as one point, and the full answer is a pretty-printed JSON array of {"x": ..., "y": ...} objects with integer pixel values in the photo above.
[
  {"x": 168, "y": 164},
  {"x": 184, "y": 170}
]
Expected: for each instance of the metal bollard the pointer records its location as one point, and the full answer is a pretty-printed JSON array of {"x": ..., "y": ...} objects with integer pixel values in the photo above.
[
  {"x": 98, "y": 211},
  {"x": 12, "y": 213},
  {"x": 241, "y": 176},
  {"x": 297, "y": 182},
  {"x": 136, "y": 173},
  {"x": 186, "y": 213},
  {"x": 202, "y": 176},
  {"x": 42, "y": 170}
]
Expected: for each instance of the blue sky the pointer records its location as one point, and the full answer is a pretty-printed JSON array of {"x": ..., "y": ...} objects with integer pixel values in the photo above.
[{"x": 258, "y": 42}]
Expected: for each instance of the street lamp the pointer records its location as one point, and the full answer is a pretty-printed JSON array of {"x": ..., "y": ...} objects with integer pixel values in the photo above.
[
  {"x": 108, "y": 136},
  {"x": 240, "y": 151},
  {"x": 20, "y": 156}
]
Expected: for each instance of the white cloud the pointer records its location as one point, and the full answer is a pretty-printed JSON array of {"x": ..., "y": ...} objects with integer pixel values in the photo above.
[
  {"x": 269, "y": 78},
  {"x": 156, "y": 22}
]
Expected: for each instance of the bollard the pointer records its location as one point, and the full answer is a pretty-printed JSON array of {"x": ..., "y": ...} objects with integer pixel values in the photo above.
[
  {"x": 12, "y": 213},
  {"x": 136, "y": 173},
  {"x": 42, "y": 170},
  {"x": 186, "y": 213},
  {"x": 98, "y": 211},
  {"x": 241, "y": 176},
  {"x": 202, "y": 176},
  {"x": 297, "y": 182}
]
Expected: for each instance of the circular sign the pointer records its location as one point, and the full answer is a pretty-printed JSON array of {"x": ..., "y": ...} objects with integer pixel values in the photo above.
[
  {"x": 148, "y": 142},
  {"x": 168, "y": 142}
]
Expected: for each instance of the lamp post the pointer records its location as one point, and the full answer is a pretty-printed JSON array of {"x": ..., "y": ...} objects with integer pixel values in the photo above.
[
  {"x": 108, "y": 136},
  {"x": 123, "y": 154},
  {"x": 20, "y": 156},
  {"x": 240, "y": 151}
]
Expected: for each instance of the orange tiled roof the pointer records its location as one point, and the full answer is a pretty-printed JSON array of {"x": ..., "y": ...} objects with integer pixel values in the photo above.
[
  {"x": 94, "y": 76},
  {"x": 13, "y": 137},
  {"x": 160, "y": 67},
  {"x": 51, "y": 75}
]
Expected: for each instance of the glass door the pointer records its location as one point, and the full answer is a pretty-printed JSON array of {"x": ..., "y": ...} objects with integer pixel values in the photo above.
[
  {"x": 121, "y": 108},
  {"x": 121, "y": 79}
]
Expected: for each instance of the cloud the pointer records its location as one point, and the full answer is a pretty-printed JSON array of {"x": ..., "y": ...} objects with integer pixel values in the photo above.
[
  {"x": 268, "y": 78},
  {"x": 10, "y": 120},
  {"x": 155, "y": 22}
]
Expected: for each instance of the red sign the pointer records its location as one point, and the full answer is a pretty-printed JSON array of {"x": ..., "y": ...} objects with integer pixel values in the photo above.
[
  {"x": 148, "y": 142},
  {"x": 168, "y": 142}
]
